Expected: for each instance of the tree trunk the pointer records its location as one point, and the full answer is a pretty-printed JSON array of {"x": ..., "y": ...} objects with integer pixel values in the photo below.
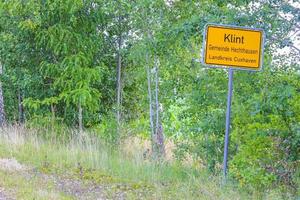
[
  {"x": 2, "y": 112},
  {"x": 80, "y": 123},
  {"x": 52, "y": 116},
  {"x": 150, "y": 101},
  {"x": 159, "y": 137},
  {"x": 20, "y": 107},
  {"x": 119, "y": 86},
  {"x": 156, "y": 94}
]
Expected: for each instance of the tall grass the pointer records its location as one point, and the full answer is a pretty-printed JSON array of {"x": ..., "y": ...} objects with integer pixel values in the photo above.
[{"x": 168, "y": 180}]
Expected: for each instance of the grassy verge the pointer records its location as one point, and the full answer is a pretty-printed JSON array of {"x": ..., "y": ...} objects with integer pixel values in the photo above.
[
  {"x": 84, "y": 157},
  {"x": 22, "y": 187}
]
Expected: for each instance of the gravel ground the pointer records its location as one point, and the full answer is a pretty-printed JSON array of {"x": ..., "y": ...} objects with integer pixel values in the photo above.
[
  {"x": 3, "y": 196},
  {"x": 9, "y": 165},
  {"x": 72, "y": 187}
]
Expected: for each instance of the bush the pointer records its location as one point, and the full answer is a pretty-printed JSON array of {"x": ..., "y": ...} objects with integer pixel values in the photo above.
[{"x": 252, "y": 165}]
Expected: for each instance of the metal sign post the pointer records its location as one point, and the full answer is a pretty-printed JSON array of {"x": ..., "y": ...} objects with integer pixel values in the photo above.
[
  {"x": 232, "y": 47},
  {"x": 228, "y": 113}
]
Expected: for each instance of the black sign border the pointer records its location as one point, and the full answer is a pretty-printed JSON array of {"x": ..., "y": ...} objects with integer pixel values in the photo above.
[{"x": 237, "y": 67}]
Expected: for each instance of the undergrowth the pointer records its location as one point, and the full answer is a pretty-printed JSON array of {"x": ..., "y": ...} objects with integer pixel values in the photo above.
[{"x": 84, "y": 156}]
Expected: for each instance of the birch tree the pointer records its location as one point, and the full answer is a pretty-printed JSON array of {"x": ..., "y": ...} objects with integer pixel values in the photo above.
[
  {"x": 120, "y": 35},
  {"x": 147, "y": 17},
  {"x": 2, "y": 112}
]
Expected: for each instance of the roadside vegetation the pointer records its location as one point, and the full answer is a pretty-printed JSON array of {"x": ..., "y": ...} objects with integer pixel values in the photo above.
[
  {"x": 112, "y": 93},
  {"x": 85, "y": 158}
]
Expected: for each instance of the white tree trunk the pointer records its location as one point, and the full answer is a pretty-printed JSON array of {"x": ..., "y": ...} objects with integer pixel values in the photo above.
[
  {"x": 2, "y": 111},
  {"x": 119, "y": 84},
  {"x": 156, "y": 94},
  {"x": 159, "y": 137},
  {"x": 20, "y": 106},
  {"x": 52, "y": 116},
  {"x": 80, "y": 123},
  {"x": 150, "y": 100}
]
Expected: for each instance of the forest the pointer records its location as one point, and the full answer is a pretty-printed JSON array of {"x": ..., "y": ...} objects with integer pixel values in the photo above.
[{"x": 121, "y": 71}]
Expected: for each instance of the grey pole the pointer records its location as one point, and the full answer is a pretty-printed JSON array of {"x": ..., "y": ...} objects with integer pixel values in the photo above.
[{"x": 228, "y": 111}]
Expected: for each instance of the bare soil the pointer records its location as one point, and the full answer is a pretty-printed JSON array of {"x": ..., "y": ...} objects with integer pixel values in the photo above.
[
  {"x": 3, "y": 195},
  {"x": 67, "y": 184},
  {"x": 72, "y": 187}
]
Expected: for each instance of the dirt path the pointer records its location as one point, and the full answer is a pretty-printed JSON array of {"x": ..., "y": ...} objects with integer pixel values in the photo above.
[
  {"x": 8, "y": 165},
  {"x": 75, "y": 188},
  {"x": 2, "y": 194},
  {"x": 59, "y": 186},
  {"x": 71, "y": 187}
]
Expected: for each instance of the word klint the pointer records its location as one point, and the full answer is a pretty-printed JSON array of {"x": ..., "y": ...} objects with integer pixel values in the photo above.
[{"x": 237, "y": 47}]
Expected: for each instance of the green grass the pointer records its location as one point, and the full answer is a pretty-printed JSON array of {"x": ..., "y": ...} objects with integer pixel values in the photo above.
[
  {"x": 23, "y": 187},
  {"x": 87, "y": 158}
]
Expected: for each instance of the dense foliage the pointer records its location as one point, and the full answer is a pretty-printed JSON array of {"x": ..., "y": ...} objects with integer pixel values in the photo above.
[{"x": 60, "y": 63}]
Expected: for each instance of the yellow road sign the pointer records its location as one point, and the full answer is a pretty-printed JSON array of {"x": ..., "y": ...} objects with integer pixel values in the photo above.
[{"x": 232, "y": 46}]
